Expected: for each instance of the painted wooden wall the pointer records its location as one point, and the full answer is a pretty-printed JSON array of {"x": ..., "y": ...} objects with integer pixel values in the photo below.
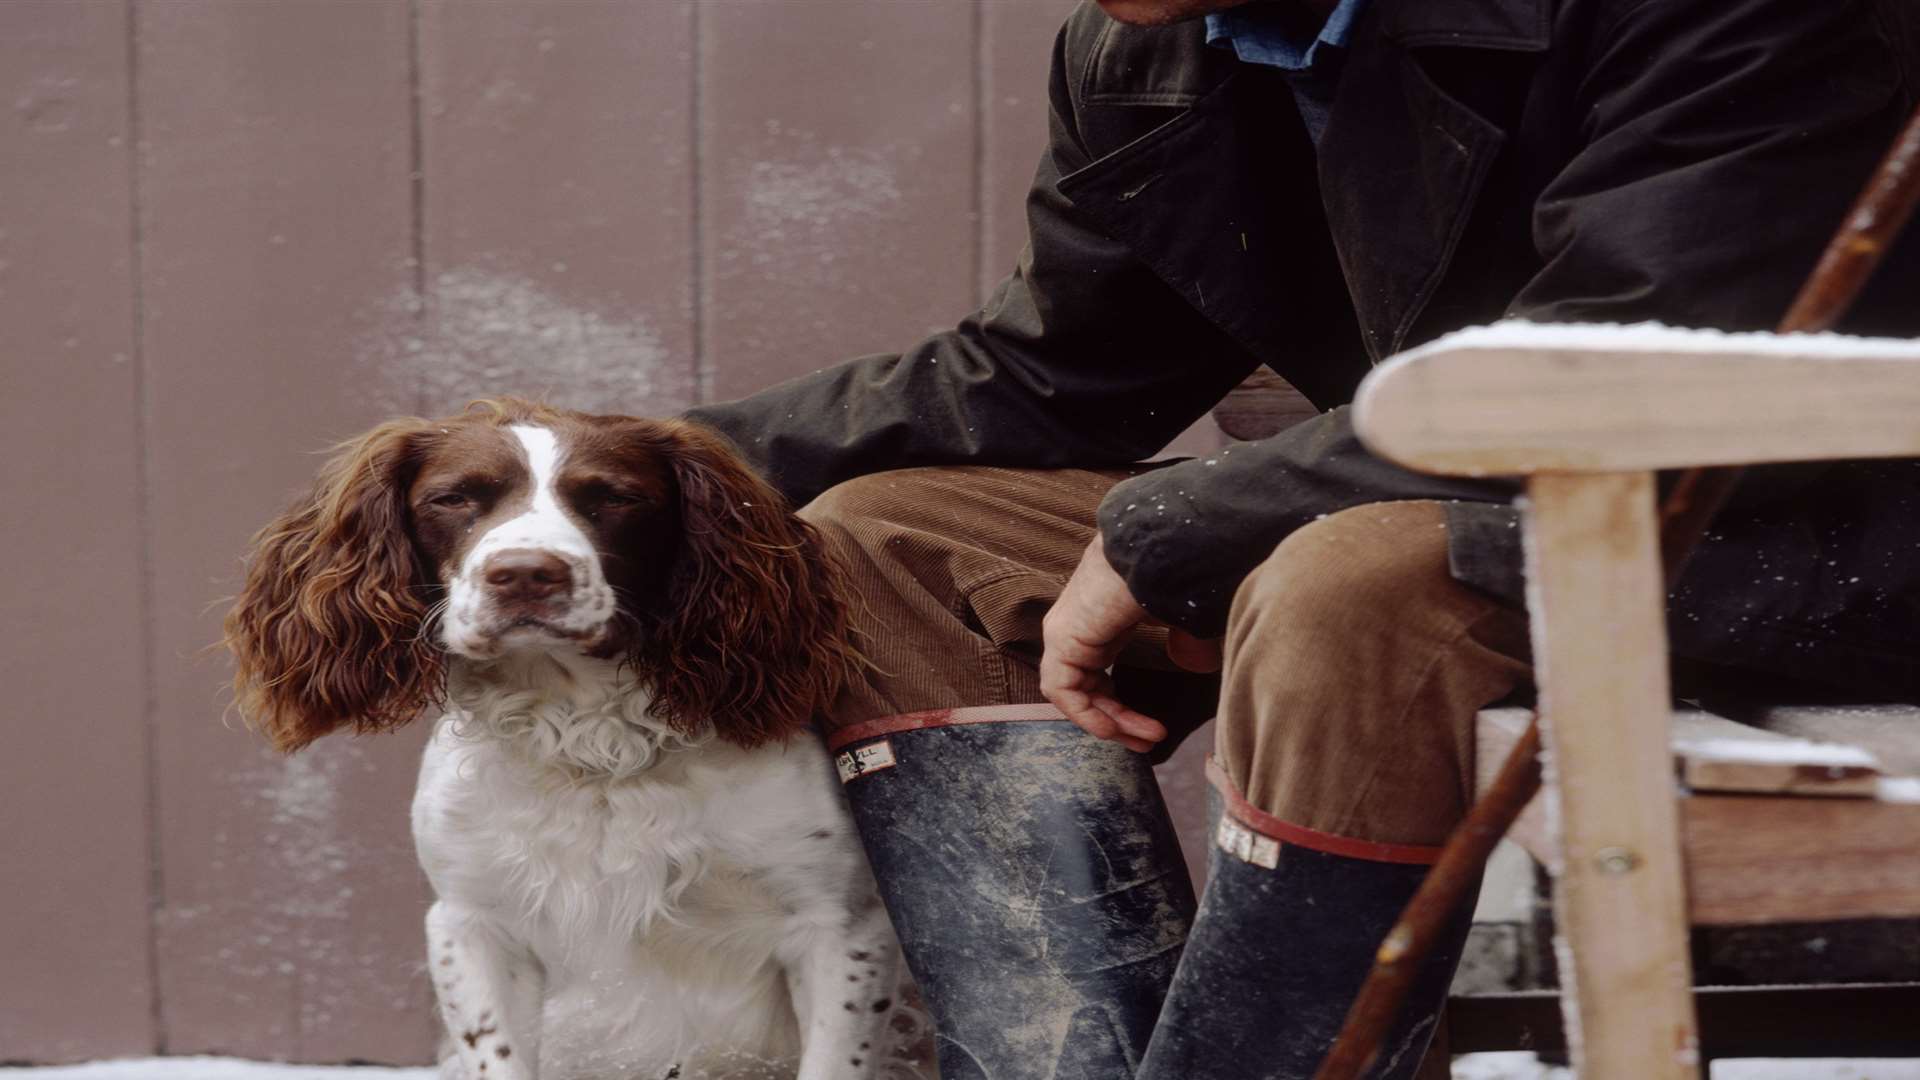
[{"x": 233, "y": 232}]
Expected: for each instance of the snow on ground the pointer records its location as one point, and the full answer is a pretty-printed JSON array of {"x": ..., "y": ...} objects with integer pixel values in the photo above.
[
  {"x": 1520, "y": 1066},
  {"x": 1523, "y": 1066},
  {"x": 209, "y": 1068}
]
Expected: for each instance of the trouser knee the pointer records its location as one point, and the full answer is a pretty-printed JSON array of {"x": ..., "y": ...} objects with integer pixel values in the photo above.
[
  {"x": 1355, "y": 667},
  {"x": 952, "y": 569}
]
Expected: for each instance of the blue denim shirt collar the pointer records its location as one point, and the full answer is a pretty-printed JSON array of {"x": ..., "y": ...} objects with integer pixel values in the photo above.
[{"x": 1268, "y": 32}]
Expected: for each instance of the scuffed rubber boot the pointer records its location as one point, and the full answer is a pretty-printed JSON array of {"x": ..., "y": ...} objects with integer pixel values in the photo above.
[
  {"x": 1285, "y": 936},
  {"x": 1034, "y": 879}
]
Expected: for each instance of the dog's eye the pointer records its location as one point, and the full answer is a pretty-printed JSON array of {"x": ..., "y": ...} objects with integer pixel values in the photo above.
[
  {"x": 600, "y": 497},
  {"x": 451, "y": 500}
]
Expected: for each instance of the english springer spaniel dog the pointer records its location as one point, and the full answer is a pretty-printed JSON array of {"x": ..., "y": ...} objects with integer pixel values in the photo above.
[{"x": 643, "y": 864}]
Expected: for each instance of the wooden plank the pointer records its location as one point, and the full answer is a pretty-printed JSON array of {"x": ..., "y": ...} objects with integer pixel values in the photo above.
[
  {"x": 1891, "y": 733},
  {"x": 1496, "y": 733},
  {"x": 1603, "y": 399},
  {"x": 1015, "y": 54},
  {"x": 1712, "y": 753},
  {"x": 1760, "y": 859},
  {"x": 1869, "y": 1020},
  {"x": 558, "y": 232},
  {"x": 74, "y": 792},
  {"x": 837, "y": 182},
  {"x": 1767, "y": 859},
  {"x": 1183, "y": 784},
  {"x": 1595, "y": 597},
  {"x": 1264, "y": 404},
  {"x": 1716, "y": 754},
  {"x": 1752, "y": 859},
  {"x": 278, "y": 227}
]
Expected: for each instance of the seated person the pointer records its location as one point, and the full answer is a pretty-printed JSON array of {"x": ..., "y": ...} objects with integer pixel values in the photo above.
[{"x": 1311, "y": 186}]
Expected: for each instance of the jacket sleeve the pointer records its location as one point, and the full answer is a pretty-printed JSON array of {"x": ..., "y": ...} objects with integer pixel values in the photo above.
[
  {"x": 1082, "y": 357},
  {"x": 1701, "y": 122}
]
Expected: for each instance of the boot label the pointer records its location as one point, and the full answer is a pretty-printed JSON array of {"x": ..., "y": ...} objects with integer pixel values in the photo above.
[
  {"x": 862, "y": 760},
  {"x": 1246, "y": 845}
]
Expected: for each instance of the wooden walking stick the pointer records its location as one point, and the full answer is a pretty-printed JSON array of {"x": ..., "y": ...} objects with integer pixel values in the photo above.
[{"x": 1856, "y": 249}]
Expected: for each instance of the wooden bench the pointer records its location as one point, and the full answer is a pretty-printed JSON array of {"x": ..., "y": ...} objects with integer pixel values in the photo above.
[
  {"x": 1802, "y": 814},
  {"x": 1648, "y": 820},
  {"x": 1792, "y": 814}
]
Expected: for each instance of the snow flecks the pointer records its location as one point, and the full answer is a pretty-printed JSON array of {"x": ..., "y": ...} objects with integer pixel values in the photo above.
[
  {"x": 319, "y": 862},
  {"x": 1512, "y": 1065},
  {"x": 1660, "y": 338},
  {"x": 294, "y": 914},
  {"x": 213, "y": 1068},
  {"x": 813, "y": 192},
  {"x": 486, "y": 333},
  {"x": 1900, "y": 789},
  {"x": 1776, "y": 750},
  {"x": 304, "y": 801},
  {"x": 807, "y": 224}
]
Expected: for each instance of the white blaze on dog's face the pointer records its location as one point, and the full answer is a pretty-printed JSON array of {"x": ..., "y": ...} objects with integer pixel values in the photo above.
[
  {"x": 518, "y": 528},
  {"x": 536, "y": 532},
  {"x": 533, "y": 579}
]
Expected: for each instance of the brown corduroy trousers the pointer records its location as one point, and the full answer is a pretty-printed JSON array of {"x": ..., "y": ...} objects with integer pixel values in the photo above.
[{"x": 1354, "y": 662}]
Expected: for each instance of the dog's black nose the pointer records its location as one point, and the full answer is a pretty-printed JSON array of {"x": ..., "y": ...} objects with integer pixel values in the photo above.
[{"x": 521, "y": 575}]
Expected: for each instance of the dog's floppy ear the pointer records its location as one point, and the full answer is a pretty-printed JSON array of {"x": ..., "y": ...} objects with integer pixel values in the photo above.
[
  {"x": 329, "y": 630},
  {"x": 754, "y": 634}
]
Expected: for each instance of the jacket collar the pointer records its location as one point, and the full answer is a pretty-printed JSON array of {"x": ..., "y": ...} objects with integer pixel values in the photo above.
[{"x": 1393, "y": 251}]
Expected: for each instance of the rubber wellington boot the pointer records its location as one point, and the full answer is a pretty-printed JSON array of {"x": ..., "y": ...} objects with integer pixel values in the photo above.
[
  {"x": 1034, "y": 879},
  {"x": 1285, "y": 936}
]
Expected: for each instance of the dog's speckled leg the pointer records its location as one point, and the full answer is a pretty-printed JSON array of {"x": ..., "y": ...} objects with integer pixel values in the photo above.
[
  {"x": 489, "y": 992},
  {"x": 846, "y": 991}
]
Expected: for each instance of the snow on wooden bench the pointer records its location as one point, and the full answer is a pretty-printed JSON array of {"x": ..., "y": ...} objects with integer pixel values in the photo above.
[{"x": 1791, "y": 814}]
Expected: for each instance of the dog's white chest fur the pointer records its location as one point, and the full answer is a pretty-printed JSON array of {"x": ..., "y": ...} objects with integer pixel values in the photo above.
[{"x": 691, "y": 897}]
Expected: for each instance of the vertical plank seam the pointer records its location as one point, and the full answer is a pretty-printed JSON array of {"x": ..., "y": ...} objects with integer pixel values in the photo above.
[
  {"x": 143, "y": 516},
  {"x": 981, "y": 90},
  {"x": 417, "y": 189},
  {"x": 696, "y": 217}
]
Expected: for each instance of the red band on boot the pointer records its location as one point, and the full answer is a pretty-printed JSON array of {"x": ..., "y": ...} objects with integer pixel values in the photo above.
[
  {"x": 1259, "y": 821},
  {"x": 931, "y": 718}
]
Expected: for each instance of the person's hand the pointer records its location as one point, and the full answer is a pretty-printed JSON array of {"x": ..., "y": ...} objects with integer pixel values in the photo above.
[{"x": 1083, "y": 634}]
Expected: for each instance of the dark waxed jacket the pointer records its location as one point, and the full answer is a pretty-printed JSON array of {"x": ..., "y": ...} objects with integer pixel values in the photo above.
[{"x": 1556, "y": 160}]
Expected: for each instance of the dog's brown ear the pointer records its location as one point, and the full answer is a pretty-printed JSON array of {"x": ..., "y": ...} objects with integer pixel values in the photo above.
[
  {"x": 754, "y": 636},
  {"x": 329, "y": 630}
]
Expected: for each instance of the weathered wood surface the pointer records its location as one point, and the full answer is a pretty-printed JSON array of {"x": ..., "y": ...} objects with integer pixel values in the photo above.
[
  {"x": 234, "y": 232},
  {"x": 1487, "y": 409},
  {"x": 1264, "y": 404},
  {"x": 557, "y": 207},
  {"x": 1891, "y": 733},
  {"x": 1780, "y": 858},
  {"x": 1764, "y": 859},
  {"x": 1714, "y": 754},
  {"x": 1601, "y": 662},
  {"x": 1497, "y": 732},
  {"x": 74, "y": 856},
  {"x": 837, "y": 182},
  {"x": 277, "y": 227},
  {"x": 1016, "y": 50}
]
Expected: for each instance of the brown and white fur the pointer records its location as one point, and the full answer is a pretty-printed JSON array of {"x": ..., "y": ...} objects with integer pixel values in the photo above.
[{"x": 642, "y": 862}]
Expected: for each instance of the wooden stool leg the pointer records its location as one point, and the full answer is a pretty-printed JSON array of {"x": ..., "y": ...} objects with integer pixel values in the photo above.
[{"x": 1601, "y": 659}]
